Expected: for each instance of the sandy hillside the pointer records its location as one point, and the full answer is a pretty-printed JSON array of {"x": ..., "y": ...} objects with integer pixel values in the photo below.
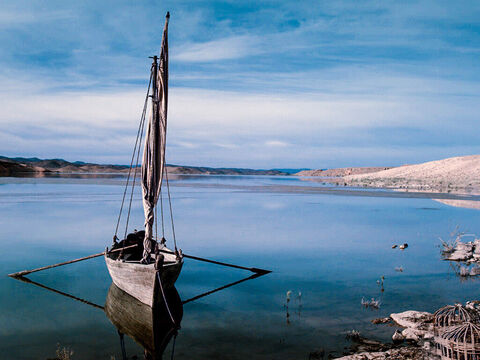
[
  {"x": 341, "y": 171},
  {"x": 457, "y": 175}
]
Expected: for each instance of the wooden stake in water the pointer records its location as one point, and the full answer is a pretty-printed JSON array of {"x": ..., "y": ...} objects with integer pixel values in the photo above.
[
  {"x": 26, "y": 272},
  {"x": 252, "y": 269}
]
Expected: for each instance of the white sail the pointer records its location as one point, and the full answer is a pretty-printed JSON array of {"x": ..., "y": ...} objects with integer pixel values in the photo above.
[{"x": 153, "y": 164}]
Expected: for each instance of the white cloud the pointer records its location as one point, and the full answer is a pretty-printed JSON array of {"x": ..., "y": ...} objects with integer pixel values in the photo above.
[
  {"x": 276, "y": 143},
  {"x": 336, "y": 123},
  {"x": 222, "y": 49},
  {"x": 184, "y": 144},
  {"x": 15, "y": 18}
]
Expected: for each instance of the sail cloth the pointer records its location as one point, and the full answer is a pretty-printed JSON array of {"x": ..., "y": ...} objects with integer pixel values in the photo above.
[{"x": 154, "y": 151}]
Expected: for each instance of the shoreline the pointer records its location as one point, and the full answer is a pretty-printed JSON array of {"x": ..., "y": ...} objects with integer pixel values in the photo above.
[
  {"x": 182, "y": 180},
  {"x": 456, "y": 176},
  {"x": 396, "y": 184}
]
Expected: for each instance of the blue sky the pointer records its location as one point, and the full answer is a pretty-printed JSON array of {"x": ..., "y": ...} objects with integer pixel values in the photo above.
[{"x": 258, "y": 84}]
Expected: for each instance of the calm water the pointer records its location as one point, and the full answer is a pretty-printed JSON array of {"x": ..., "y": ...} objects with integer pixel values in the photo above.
[{"x": 330, "y": 247}]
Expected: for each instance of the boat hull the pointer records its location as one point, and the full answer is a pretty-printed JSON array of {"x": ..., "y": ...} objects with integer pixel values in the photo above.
[{"x": 138, "y": 280}]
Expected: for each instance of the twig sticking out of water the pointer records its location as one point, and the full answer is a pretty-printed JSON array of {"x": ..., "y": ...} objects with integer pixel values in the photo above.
[
  {"x": 353, "y": 335},
  {"x": 380, "y": 283},
  {"x": 372, "y": 303},
  {"x": 64, "y": 353},
  {"x": 455, "y": 238},
  {"x": 464, "y": 271}
]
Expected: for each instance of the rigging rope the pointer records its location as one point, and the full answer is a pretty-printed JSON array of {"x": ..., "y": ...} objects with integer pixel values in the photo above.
[
  {"x": 142, "y": 124},
  {"x": 131, "y": 161},
  {"x": 170, "y": 204},
  {"x": 173, "y": 346},
  {"x": 165, "y": 299},
  {"x": 156, "y": 233},
  {"x": 161, "y": 211},
  {"x": 133, "y": 182},
  {"x": 136, "y": 150},
  {"x": 122, "y": 345}
]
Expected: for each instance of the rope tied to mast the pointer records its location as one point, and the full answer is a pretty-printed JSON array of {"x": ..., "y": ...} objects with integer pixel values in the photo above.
[
  {"x": 138, "y": 141},
  {"x": 171, "y": 212}
]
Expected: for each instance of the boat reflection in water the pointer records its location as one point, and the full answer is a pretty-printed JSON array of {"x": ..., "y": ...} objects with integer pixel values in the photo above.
[{"x": 151, "y": 327}]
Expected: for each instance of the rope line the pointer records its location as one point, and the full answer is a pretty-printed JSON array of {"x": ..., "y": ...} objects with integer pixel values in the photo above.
[
  {"x": 142, "y": 121},
  {"x": 131, "y": 162},
  {"x": 171, "y": 212},
  {"x": 173, "y": 345},
  {"x": 133, "y": 183},
  {"x": 156, "y": 233},
  {"x": 161, "y": 211},
  {"x": 164, "y": 298},
  {"x": 122, "y": 345}
]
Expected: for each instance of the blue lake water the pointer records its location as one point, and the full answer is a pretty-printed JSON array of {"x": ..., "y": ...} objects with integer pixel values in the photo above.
[{"x": 330, "y": 246}]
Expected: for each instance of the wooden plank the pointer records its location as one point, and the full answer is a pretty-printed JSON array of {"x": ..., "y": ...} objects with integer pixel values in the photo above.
[
  {"x": 26, "y": 272},
  {"x": 252, "y": 269}
]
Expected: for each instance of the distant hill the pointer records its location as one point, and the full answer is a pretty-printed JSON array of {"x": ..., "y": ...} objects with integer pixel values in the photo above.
[
  {"x": 193, "y": 170},
  {"x": 34, "y": 165},
  {"x": 13, "y": 168},
  {"x": 292, "y": 171},
  {"x": 61, "y": 165}
]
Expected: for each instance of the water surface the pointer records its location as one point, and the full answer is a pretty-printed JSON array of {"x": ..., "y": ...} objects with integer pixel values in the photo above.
[{"x": 329, "y": 246}]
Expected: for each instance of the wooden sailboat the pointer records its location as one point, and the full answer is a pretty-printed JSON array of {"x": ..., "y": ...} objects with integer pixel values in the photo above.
[{"x": 142, "y": 266}]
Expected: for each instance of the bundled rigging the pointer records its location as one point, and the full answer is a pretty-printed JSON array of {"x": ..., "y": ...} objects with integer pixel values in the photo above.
[{"x": 135, "y": 164}]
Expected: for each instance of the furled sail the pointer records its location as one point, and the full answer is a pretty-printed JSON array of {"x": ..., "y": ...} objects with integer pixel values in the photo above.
[{"x": 153, "y": 164}]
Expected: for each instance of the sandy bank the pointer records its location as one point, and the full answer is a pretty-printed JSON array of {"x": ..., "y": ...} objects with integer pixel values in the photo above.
[
  {"x": 341, "y": 171},
  {"x": 459, "y": 175}
]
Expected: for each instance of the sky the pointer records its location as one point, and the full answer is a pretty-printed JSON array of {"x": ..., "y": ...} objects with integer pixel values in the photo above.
[{"x": 259, "y": 84}]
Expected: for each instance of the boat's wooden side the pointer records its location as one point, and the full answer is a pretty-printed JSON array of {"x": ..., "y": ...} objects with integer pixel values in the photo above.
[{"x": 138, "y": 279}]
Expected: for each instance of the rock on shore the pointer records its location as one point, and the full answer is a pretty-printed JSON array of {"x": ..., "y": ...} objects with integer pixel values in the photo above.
[
  {"x": 418, "y": 325},
  {"x": 401, "y": 353},
  {"x": 418, "y": 332}
]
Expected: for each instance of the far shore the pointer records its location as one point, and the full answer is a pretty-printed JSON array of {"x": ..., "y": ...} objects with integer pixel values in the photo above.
[{"x": 455, "y": 176}]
